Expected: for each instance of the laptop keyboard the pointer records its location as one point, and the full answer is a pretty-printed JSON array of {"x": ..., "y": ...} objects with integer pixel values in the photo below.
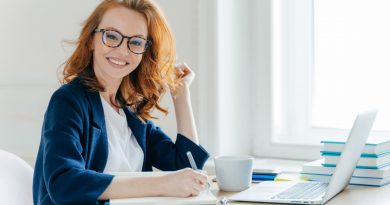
[{"x": 303, "y": 191}]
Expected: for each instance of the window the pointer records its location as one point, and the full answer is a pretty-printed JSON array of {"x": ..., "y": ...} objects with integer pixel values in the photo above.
[
  {"x": 351, "y": 61},
  {"x": 329, "y": 62}
]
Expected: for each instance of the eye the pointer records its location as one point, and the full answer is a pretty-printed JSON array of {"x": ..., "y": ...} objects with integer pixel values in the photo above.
[
  {"x": 112, "y": 36},
  {"x": 137, "y": 42}
]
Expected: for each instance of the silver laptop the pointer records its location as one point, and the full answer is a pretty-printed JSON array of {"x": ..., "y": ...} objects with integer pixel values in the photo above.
[{"x": 316, "y": 192}]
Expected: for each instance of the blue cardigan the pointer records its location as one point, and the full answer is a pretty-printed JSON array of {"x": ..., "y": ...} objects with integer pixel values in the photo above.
[{"x": 73, "y": 150}]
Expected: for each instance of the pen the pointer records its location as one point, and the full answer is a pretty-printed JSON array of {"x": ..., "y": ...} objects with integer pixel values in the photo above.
[
  {"x": 192, "y": 161},
  {"x": 193, "y": 165}
]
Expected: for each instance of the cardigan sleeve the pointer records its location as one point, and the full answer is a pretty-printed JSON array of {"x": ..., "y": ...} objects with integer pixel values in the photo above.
[
  {"x": 168, "y": 156},
  {"x": 64, "y": 173}
]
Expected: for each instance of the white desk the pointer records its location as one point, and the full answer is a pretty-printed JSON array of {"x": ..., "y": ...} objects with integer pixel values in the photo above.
[{"x": 354, "y": 195}]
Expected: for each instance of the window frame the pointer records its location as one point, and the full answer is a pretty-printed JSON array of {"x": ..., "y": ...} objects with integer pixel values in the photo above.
[{"x": 288, "y": 133}]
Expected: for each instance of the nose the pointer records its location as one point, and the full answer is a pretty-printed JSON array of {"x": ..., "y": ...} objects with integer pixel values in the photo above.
[{"x": 123, "y": 47}]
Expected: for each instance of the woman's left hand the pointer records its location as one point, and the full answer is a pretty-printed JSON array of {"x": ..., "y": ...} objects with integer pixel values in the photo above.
[
  {"x": 184, "y": 73},
  {"x": 184, "y": 76}
]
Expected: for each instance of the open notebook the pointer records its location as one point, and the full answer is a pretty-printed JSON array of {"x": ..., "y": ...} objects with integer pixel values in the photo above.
[{"x": 205, "y": 197}]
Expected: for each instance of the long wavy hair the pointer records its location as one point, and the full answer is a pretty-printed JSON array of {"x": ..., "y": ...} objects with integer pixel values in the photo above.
[{"x": 142, "y": 89}]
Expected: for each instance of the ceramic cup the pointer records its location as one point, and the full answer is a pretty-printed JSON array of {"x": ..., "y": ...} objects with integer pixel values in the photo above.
[{"x": 234, "y": 173}]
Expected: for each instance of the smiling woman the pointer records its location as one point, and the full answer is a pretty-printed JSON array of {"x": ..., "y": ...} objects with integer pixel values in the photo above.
[
  {"x": 123, "y": 62},
  {"x": 103, "y": 24}
]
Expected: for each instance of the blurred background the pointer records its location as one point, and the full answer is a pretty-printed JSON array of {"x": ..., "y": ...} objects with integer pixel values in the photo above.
[{"x": 273, "y": 77}]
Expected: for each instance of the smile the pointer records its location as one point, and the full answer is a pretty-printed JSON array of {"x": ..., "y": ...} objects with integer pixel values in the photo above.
[{"x": 117, "y": 62}]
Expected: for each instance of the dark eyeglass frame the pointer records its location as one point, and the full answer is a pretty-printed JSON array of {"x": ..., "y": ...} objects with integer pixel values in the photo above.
[{"x": 103, "y": 31}]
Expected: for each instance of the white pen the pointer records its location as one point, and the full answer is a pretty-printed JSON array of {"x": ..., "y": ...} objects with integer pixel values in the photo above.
[
  {"x": 192, "y": 161},
  {"x": 194, "y": 167}
]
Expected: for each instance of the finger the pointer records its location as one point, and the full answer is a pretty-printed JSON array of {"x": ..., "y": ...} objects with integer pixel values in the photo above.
[
  {"x": 183, "y": 67},
  {"x": 186, "y": 73},
  {"x": 187, "y": 191},
  {"x": 202, "y": 178},
  {"x": 178, "y": 71},
  {"x": 195, "y": 180},
  {"x": 195, "y": 191},
  {"x": 190, "y": 191},
  {"x": 180, "y": 74},
  {"x": 198, "y": 187},
  {"x": 202, "y": 181},
  {"x": 186, "y": 67},
  {"x": 201, "y": 186}
]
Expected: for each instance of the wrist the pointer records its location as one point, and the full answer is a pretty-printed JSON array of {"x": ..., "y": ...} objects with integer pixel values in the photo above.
[{"x": 181, "y": 92}]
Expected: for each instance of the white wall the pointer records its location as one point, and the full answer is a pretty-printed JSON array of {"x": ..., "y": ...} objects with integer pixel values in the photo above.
[
  {"x": 223, "y": 96},
  {"x": 182, "y": 17},
  {"x": 233, "y": 100},
  {"x": 30, "y": 54}
]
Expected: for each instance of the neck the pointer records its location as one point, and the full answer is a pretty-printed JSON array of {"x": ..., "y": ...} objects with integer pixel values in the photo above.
[{"x": 110, "y": 94}]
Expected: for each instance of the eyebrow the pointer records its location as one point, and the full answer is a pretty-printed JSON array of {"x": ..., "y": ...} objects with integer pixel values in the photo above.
[{"x": 136, "y": 35}]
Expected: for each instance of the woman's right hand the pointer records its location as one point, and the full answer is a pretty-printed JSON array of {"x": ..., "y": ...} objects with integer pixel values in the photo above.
[{"x": 183, "y": 183}]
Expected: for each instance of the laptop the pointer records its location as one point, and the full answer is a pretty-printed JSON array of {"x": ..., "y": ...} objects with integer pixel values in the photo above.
[{"x": 312, "y": 192}]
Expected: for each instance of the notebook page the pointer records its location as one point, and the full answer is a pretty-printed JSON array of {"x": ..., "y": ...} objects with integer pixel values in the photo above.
[{"x": 205, "y": 197}]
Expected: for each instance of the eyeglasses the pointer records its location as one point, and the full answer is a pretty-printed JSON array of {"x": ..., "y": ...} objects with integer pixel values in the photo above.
[{"x": 114, "y": 39}]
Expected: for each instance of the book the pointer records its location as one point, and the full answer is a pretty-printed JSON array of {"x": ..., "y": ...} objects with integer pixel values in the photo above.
[
  {"x": 315, "y": 167},
  {"x": 374, "y": 145},
  {"x": 205, "y": 197},
  {"x": 266, "y": 171},
  {"x": 263, "y": 177},
  {"x": 365, "y": 181},
  {"x": 362, "y": 155},
  {"x": 365, "y": 162},
  {"x": 260, "y": 174}
]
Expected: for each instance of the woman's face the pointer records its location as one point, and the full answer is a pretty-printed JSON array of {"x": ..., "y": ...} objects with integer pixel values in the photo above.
[{"x": 112, "y": 64}]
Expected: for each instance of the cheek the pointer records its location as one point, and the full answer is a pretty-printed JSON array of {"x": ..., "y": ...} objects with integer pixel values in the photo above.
[
  {"x": 101, "y": 51},
  {"x": 136, "y": 59}
]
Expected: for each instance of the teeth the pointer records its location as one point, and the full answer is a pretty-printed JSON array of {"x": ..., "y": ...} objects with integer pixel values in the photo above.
[{"x": 117, "y": 62}]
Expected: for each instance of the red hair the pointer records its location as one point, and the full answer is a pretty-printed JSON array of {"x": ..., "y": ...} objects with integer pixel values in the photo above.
[{"x": 142, "y": 89}]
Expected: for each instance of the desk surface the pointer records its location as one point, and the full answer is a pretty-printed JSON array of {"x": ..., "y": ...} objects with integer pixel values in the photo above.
[{"x": 355, "y": 195}]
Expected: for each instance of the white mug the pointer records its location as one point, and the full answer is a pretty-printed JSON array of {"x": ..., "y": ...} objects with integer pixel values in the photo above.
[{"x": 234, "y": 173}]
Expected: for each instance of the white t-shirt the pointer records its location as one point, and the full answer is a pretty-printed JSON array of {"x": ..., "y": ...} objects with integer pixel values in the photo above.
[{"x": 124, "y": 152}]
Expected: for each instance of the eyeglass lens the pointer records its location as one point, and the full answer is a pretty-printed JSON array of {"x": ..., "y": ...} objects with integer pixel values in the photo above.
[{"x": 114, "y": 39}]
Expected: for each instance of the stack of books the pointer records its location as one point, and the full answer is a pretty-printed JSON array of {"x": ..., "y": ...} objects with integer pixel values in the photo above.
[
  {"x": 373, "y": 168},
  {"x": 259, "y": 175}
]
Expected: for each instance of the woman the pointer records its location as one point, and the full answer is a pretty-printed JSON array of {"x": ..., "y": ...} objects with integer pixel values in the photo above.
[{"x": 98, "y": 122}]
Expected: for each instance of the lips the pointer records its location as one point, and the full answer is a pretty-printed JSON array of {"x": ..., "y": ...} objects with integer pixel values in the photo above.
[{"x": 117, "y": 63}]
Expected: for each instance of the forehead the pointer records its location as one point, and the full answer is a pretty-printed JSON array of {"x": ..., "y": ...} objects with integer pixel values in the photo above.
[{"x": 126, "y": 21}]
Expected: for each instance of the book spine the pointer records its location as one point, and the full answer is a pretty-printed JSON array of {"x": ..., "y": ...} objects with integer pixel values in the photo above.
[
  {"x": 263, "y": 177},
  {"x": 363, "y": 161},
  {"x": 336, "y": 147},
  {"x": 336, "y": 159},
  {"x": 374, "y": 173}
]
